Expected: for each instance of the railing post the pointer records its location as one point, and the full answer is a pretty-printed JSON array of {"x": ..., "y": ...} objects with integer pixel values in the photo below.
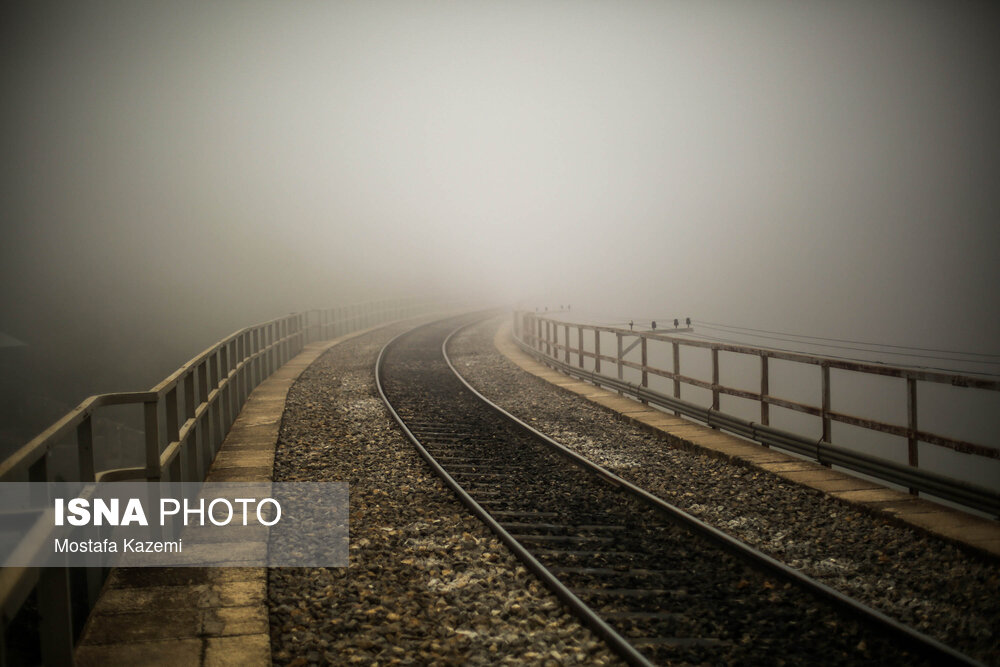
[
  {"x": 825, "y": 369},
  {"x": 619, "y": 360},
  {"x": 191, "y": 450},
  {"x": 151, "y": 419},
  {"x": 277, "y": 358},
  {"x": 206, "y": 428},
  {"x": 597, "y": 350},
  {"x": 566, "y": 343},
  {"x": 55, "y": 612},
  {"x": 173, "y": 434},
  {"x": 715, "y": 378},
  {"x": 765, "y": 407},
  {"x": 645, "y": 363},
  {"x": 579, "y": 331},
  {"x": 241, "y": 354},
  {"x": 85, "y": 450},
  {"x": 258, "y": 372},
  {"x": 548, "y": 338},
  {"x": 268, "y": 359},
  {"x": 39, "y": 470},
  {"x": 234, "y": 384},
  {"x": 677, "y": 372},
  {"x": 215, "y": 408},
  {"x": 911, "y": 424},
  {"x": 282, "y": 350}
]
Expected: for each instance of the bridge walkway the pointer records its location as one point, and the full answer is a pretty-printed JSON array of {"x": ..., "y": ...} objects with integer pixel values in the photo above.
[{"x": 205, "y": 616}]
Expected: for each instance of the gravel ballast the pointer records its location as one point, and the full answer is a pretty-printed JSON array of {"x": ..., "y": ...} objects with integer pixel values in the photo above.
[
  {"x": 935, "y": 586},
  {"x": 427, "y": 583}
]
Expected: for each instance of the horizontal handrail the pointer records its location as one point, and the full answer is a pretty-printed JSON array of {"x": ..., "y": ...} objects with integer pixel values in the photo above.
[
  {"x": 957, "y": 380},
  {"x": 39, "y": 446}
]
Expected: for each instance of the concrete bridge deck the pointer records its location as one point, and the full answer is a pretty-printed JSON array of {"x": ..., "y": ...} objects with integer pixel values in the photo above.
[
  {"x": 219, "y": 616},
  {"x": 201, "y": 615}
]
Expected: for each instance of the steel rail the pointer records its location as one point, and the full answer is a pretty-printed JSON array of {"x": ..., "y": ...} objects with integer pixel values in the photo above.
[
  {"x": 928, "y": 646},
  {"x": 618, "y": 643}
]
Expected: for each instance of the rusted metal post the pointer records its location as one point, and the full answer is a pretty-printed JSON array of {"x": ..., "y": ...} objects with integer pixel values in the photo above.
[
  {"x": 85, "y": 449},
  {"x": 677, "y": 371},
  {"x": 579, "y": 331},
  {"x": 645, "y": 362},
  {"x": 715, "y": 378},
  {"x": 619, "y": 359},
  {"x": 566, "y": 343},
  {"x": 191, "y": 450},
  {"x": 39, "y": 470},
  {"x": 825, "y": 368},
  {"x": 241, "y": 354},
  {"x": 215, "y": 408},
  {"x": 281, "y": 334},
  {"x": 911, "y": 424},
  {"x": 765, "y": 407},
  {"x": 205, "y": 429},
  {"x": 228, "y": 412},
  {"x": 55, "y": 611},
  {"x": 151, "y": 418},
  {"x": 234, "y": 360},
  {"x": 173, "y": 435},
  {"x": 597, "y": 351},
  {"x": 272, "y": 357},
  {"x": 258, "y": 371}
]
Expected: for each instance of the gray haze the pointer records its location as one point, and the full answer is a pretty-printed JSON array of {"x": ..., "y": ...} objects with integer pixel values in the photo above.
[{"x": 172, "y": 171}]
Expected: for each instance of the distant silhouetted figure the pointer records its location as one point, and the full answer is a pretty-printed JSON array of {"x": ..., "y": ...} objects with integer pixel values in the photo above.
[
  {"x": 654, "y": 325},
  {"x": 676, "y": 323},
  {"x": 630, "y": 325},
  {"x": 688, "y": 320}
]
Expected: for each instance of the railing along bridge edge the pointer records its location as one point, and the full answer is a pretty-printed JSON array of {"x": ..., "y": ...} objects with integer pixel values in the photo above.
[
  {"x": 539, "y": 336},
  {"x": 181, "y": 439}
]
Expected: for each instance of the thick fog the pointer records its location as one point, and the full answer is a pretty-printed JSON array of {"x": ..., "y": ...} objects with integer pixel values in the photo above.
[{"x": 172, "y": 172}]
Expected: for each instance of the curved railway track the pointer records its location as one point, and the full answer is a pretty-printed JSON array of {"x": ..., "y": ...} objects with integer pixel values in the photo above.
[{"x": 658, "y": 585}]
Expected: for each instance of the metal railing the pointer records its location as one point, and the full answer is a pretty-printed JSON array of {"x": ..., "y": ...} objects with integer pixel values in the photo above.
[
  {"x": 186, "y": 418},
  {"x": 540, "y": 336}
]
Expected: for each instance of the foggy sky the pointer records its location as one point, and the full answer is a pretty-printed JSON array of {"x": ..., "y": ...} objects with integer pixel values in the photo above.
[{"x": 822, "y": 168}]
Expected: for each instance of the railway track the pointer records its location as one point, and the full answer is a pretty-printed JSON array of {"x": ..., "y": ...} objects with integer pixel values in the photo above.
[{"x": 658, "y": 585}]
